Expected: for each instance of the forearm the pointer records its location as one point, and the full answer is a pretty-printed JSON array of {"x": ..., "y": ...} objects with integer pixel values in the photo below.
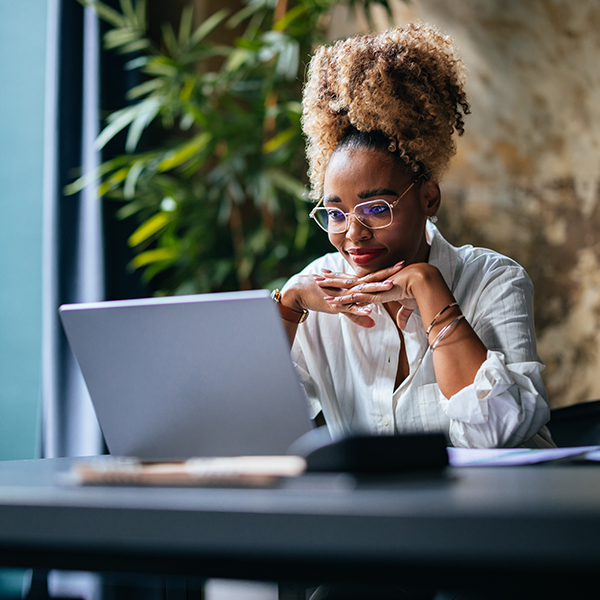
[{"x": 457, "y": 350}]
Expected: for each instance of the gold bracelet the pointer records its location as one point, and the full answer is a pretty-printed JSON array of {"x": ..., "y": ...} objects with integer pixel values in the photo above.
[
  {"x": 428, "y": 330},
  {"x": 287, "y": 313},
  {"x": 444, "y": 331}
]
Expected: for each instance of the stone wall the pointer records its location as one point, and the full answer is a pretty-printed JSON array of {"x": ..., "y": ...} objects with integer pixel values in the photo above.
[{"x": 526, "y": 179}]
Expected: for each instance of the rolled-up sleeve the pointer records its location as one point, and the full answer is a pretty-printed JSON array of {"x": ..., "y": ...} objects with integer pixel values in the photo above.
[{"x": 505, "y": 406}]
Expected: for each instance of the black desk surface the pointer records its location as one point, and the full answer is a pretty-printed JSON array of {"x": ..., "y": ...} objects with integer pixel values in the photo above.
[{"x": 536, "y": 522}]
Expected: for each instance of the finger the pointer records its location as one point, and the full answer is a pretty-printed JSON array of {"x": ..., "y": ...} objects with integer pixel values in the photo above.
[
  {"x": 383, "y": 274},
  {"x": 338, "y": 280},
  {"x": 402, "y": 317},
  {"x": 378, "y": 286},
  {"x": 356, "y": 298},
  {"x": 353, "y": 307},
  {"x": 362, "y": 320}
]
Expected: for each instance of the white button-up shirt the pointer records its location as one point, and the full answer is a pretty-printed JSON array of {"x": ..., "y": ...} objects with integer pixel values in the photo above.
[{"x": 349, "y": 372}]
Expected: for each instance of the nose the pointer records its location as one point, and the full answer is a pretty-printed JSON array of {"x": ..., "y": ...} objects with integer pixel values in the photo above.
[{"x": 356, "y": 230}]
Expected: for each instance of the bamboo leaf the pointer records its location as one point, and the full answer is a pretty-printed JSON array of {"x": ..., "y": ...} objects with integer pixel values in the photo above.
[
  {"x": 94, "y": 175},
  {"x": 113, "y": 181},
  {"x": 279, "y": 140},
  {"x": 148, "y": 228},
  {"x": 169, "y": 39},
  {"x": 140, "y": 14},
  {"x": 148, "y": 112},
  {"x": 290, "y": 16},
  {"x": 132, "y": 177},
  {"x": 152, "y": 256},
  {"x": 117, "y": 121},
  {"x": 208, "y": 26},
  {"x": 185, "y": 24},
  {"x": 185, "y": 152},
  {"x": 119, "y": 37},
  {"x": 161, "y": 66},
  {"x": 137, "y": 63},
  {"x": 287, "y": 65},
  {"x": 135, "y": 46},
  {"x": 287, "y": 183},
  {"x": 236, "y": 59},
  {"x": 242, "y": 15},
  {"x": 127, "y": 9},
  {"x": 105, "y": 12},
  {"x": 144, "y": 88}
]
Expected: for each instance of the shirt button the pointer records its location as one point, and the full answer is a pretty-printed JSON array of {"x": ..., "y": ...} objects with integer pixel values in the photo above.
[{"x": 385, "y": 421}]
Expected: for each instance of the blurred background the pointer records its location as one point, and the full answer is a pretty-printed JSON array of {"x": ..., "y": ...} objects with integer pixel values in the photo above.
[
  {"x": 199, "y": 162},
  {"x": 203, "y": 176}
]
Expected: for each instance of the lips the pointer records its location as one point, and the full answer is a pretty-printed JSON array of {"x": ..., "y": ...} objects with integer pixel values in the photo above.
[{"x": 362, "y": 256}]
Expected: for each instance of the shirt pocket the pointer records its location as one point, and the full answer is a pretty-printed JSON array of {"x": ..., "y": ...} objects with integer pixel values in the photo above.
[{"x": 433, "y": 418}]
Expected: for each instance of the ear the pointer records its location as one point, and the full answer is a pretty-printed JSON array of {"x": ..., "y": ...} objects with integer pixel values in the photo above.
[{"x": 430, "y": 197}]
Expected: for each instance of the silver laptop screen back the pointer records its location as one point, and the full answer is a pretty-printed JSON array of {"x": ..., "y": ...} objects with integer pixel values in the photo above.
[{"x": 203, "y": 375}]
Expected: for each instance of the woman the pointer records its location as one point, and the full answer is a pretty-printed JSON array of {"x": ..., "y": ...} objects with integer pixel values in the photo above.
[{"x": 404, "y": 331}]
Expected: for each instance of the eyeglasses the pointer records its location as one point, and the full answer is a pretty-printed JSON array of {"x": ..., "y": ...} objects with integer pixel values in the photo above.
[{"x": 374, "y": 214}]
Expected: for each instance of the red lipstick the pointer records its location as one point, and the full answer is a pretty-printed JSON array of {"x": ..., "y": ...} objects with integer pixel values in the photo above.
[{"x": 362, "y": 256}]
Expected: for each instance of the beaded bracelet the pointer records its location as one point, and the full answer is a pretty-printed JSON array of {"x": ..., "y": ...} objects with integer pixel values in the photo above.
[
  {"x": 428, "y": 330},
  {"x": 444, "y": 331}
]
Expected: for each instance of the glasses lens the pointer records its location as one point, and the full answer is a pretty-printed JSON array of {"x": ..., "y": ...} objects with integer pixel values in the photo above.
[
  {"x": 374, "y": 214},
  {"x": 331, "y": 219}
]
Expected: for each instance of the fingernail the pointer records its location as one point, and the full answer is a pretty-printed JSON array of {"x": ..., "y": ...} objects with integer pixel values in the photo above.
[
  {"x": 388, "y": 281},
  {"x": 329, "y": 298},
  {"x": 325, "y": 270},
  {"x": 319, "y": 278},
  {"x": 399, "y": 264}
]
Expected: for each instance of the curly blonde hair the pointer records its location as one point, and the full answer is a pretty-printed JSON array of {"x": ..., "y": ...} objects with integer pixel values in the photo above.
[{"x": 406, "y": 84}]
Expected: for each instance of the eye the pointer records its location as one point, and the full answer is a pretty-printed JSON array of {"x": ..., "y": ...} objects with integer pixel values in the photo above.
[
  {"x": 333, "y": 214},
  {"x": 376, "y": 208}
]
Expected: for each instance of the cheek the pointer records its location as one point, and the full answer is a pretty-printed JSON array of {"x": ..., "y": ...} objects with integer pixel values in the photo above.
[{"x": 336, "y": 239}]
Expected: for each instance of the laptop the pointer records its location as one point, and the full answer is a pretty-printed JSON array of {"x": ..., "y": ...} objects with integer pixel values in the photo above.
[{"x": 189, "y": 376}]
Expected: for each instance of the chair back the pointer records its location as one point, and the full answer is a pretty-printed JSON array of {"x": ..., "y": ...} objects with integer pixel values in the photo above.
[{"x": 576, "y": 425}]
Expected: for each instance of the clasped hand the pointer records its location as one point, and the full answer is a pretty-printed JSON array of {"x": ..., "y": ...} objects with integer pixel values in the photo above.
[{"x": 351, "y": 295}]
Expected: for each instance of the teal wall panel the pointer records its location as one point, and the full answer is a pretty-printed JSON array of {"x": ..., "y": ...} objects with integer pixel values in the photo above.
[{"x": 22, "y": 82}]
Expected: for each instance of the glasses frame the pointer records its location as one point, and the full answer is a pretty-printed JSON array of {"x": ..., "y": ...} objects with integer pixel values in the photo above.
[{"x": 313, "y": 212}]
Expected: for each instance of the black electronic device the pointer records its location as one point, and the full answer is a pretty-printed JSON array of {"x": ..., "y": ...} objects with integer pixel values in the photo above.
[{"x": 373, "y": 454}]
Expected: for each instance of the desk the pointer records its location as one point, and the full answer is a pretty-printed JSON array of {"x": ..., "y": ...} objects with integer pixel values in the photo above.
[{"x": 540, "y": 525}]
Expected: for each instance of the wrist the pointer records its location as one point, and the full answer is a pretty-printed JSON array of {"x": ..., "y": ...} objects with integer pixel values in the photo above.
[
  {"x": 425, "y": 280},
  {"x": 289, "y": 311}
]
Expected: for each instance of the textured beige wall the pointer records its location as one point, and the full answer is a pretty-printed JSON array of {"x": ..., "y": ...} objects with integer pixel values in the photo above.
[{"x": 526, "y": 180}]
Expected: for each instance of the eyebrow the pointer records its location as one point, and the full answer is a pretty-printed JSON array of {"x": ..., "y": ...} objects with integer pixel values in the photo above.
[
  {"x": 377, "y": 192},
  {"x": 364, "y": 195}
]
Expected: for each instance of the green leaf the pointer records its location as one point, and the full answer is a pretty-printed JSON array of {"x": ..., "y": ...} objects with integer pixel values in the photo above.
[
  {"x": 286, "y": 182},
  {"x": 290, "y": 16},
  {"x": 127, "y": 9},
  {"x": 208, "y": 25},
  {"x": 185, "y": 24},
  {"x": 152, "y": 256},
  {"x": 117, "y": 121},
  {"x": 185, "y": 152},
  {"x": 105, "y": 12},
  {"x": 132, "y": 177},
  {"x": 279, "y": 140},
  {"x": 237, "y": 58},
  {"x": 113, "y": 181},
  {"x": 161, "y": 65},
  {"x": 94, "y": 175},
  {"x": 148, "y": 228},
  {"x": 135, "y": 46},
  {"x": 144, "y": 88},
  {"x": 140, "y": 14}
]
